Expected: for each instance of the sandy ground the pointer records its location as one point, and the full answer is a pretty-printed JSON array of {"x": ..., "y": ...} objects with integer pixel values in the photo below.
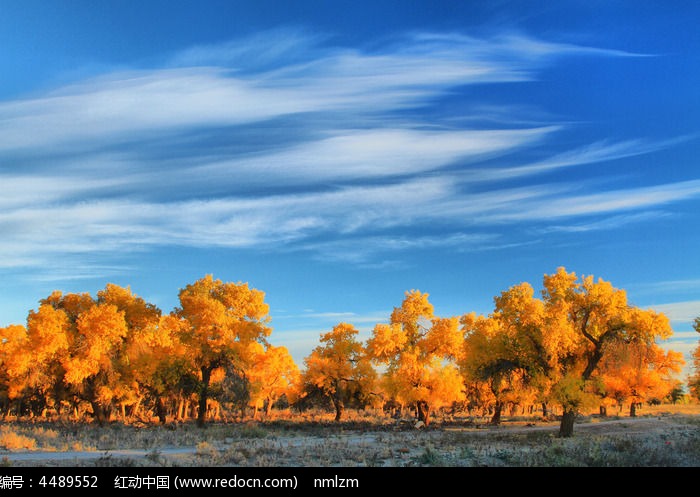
[{"x": 662, "y": 440}]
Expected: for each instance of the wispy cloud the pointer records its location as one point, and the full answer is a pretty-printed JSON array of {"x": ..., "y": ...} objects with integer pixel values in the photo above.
[
  {"x": 128, "y": 105},
  {"x": 306, "y": 146},
  {"x": 265, "y": 221},
  {"x": 666, "y": 287},
  {"x": 688, "y": 336},
  {"x": 125, "y": 225},
  {"x": 366, "y": 250},
  {"x": 601, "y": 151},
  {"x": 607, "y": 223},
  {"x": 213, "y": 86},
  {"x": 346, "y": 316},
  {"x": 541, "y": 206},
  {"x": 680, "y": 312},
  {"x": 375, "y": 153}
]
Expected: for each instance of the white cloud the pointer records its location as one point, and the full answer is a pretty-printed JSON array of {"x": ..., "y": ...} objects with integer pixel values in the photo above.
[
  {"x": 525, "y": 45},
  {"x": 23, "y": 190},
  {"x": 595, "y": 152},
  {"x": 119, "y": 225},
  {"x": 258, "y": 50},
  {"x": 691, "y": 336},
  {"x": 671, "y": 286},
  {"x": 131, "y": 104},
  {"x": 540, "y": 204},
  {"x": 345, "y": 316},
  {"x": 362, "y": 250},
  {"x": 350, "y": 154},
  {"x": 608, "y": 223},
  {"x": 124, "y": 225},
  {"x": 364, "y": 168},
  {"x": 680, "y": 312}
]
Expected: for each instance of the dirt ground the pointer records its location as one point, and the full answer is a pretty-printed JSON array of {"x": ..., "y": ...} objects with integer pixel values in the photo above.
[{"x": 656, "y": 438}]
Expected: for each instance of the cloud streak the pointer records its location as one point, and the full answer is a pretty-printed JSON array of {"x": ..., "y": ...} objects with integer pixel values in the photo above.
[
  {"x": 307, "y": 147},
  {"x": 342, "y": 217},
  {"x": 223, "y": 92},
  {"x": 680, "y": 312},
  {"x": 376, "y": 153}
]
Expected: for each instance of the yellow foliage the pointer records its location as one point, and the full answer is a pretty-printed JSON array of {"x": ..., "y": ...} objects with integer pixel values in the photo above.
[
  {"x": 444, "y": 338},
  {"x": 48, "y": 331},
  {"x": 580, "y": 340},
  {"x": 386, "y": 341},
  {"x": 414, "y": 312},
  {"x": 100, "y": 330},
  {"x": 340, "y": 367},
  {"x": 418, "y": 349},
  {"x": 273, "y": 373},
  {"x": 15, "y": 356},
  {"x": 219, "y": 315},
  {"x": 638, "y": 371}
]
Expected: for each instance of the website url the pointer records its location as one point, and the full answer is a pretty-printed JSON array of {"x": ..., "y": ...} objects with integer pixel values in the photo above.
[{"x": 235, "y": 482}]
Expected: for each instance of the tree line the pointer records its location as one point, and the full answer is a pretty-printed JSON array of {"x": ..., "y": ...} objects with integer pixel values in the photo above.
[{"x": 577, "y": 345}]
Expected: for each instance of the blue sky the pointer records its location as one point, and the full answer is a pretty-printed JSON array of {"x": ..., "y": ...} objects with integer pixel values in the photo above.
[{"x": 337, "y": 154}]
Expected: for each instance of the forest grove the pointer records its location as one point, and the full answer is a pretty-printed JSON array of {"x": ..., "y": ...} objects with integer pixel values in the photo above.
[{"x": 578, "y": 345}]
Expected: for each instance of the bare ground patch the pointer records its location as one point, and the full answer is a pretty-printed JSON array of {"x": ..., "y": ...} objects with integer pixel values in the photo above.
[{"x": 655, "y": 439}]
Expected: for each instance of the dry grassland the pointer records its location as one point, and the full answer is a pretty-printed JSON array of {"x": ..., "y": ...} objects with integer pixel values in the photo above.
[{"x": 661, "y": 436}]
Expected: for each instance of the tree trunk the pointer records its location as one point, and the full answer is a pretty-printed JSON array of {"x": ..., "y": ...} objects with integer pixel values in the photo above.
[
  {"x": 203, "y": 396},
  {"x": 545, "y": 413},
  {"x": 182, "y": 406},
  {"x": 339, "y": 408},
  {"x": 633, "y": 410},
  {"x": 423, "y": 412},
  {"x": 603, "y": 411},
  {"x": 566, "y": 428},
  {"x": 160, "y": 410},
  {"x": 136, "y": 407},
  {"x": 497, "y": 409},
  {"x": 268, "y": 408},
  {"x": 98, "y": 412}
]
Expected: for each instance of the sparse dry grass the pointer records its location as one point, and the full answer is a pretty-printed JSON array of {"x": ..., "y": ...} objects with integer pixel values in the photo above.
[{"x": 659, "y": 436}]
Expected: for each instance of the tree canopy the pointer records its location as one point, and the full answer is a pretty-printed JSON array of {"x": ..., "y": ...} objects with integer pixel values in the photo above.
[{"x": 577, "y": 344}]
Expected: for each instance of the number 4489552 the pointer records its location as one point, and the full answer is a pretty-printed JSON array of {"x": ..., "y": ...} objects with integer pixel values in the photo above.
[{"x": 69, "y": 481}]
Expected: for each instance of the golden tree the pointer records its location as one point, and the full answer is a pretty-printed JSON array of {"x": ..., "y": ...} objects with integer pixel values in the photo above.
[
  {"x": 93, "y": 363},
  {"x": 272, "y": 374},
  {"x": 585, "y": 317},
  {"x": 488, "y": 359},
  {"x": 85, "y": 348},
  {"x": 340, "y": 368},
  {"x": 15, "y": 362},
  {"x": 86, "y": 338},
  {"x": 419, "y": 351},
  {"x": 48, "y": 334},
  {"x": 134, "y": 366},
  {"x": 220, "y": 321},
  {"x": 636, "y": 372},
  {"x": 507, "y": 349},
  {"x": 160, "y": 364}
]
